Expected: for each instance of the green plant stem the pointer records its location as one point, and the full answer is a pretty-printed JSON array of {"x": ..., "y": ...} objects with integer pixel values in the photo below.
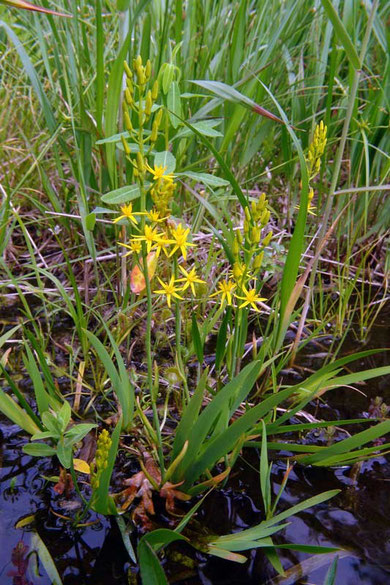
[
  {"x": 236, "y": 339},
  {"x": 178, "y": 337},
  {"x": 86, "y": 503},
  {"x": 148, "y": 335},
  {"x": 149, "y": 359}
]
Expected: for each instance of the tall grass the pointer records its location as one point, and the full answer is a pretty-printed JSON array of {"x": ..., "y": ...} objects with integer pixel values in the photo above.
[{"x": 290, "y": 48}]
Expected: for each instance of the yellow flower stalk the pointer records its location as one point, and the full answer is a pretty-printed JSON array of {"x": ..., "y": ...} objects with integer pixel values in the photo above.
[
  {"x": 251, "y": 298},
  {"x": 190, "y": 279},
  {"x": 316, "y": 149},
  {"x": 101, "y": 458},
  {"x": 169, "y": 290},
  {"x": 162, "y": 193},
  {"x": 180, "y": 235},
  {"x": 226, "y": 287}
]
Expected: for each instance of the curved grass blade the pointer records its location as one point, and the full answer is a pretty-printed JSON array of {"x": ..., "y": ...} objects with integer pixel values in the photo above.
[
  {"x": 28, "y": 6},
  {"x": 341, "y": 33},
  {"x": 226, "y": 92}
]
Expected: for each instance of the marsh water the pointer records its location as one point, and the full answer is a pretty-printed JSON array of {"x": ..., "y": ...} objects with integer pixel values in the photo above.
[{"x": 356, "y": 521}]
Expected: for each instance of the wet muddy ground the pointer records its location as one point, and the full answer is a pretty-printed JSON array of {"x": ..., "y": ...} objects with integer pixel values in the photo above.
[{"x": 357, "y": 520}]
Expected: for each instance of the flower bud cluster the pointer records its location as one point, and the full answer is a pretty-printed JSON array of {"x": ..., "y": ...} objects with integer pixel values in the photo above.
[
  {"x": 101, "y": 458},
  {"x": 162, "y": 194},
  {"x": 140, "y": 96},
  {"x": 316, "y": 150},
  {"x": 251, "y": 246}
]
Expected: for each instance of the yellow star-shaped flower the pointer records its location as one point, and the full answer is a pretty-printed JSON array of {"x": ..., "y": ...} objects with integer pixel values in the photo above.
[
  {"x": 169, "y": 290},
  {"x": 150, "y": 237},
  {"x": 161, "y": 244},
  {"x": 127, "y": 213},
  {"x": 190, "y": 278},
  {"x": 158, "y": 172},
  {"x": 251, "y": 297},
  {"x": 154, "y": 216},
  {"x": 226, "y": 288},
  {"x": 180, "y": 235},
  {"x": 134, "y": 247}
]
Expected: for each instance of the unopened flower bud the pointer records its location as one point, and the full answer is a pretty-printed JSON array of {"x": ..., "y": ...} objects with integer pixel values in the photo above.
[
  {"x": 236, "y": 247},
  {"x": 128, "y": 97},
  {"x": 130, "y": 85},
  {"x": 140, "y": 162},
  {"x": 141, "y": 75},
  {"x": 261, "y": 202},
  {"x": 125, "y": 145},
  {"x": 128, "y": 71},
  {"x": 258, "y": 261},
  {"x": 267, "y": 239},
  {"x": 154, "y": 133},
  {"x": 148, "y": 69},
  {"x": 265, "y": 217},
  {"x": 255, "y": 234},
  {"x": 148, "y": 103},
  {"x": 155, "y": 90},
  {"x": 158, "y": 117},
  {"x": 128, "y": 124}
]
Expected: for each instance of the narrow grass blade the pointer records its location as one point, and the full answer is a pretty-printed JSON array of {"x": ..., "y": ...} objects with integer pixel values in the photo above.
[
  {"x": 46, "y": 559},
  {"x": 32, "y": 74},
  {"x": 226, "y": 440},
  {"x": 121, "y": 392},
  {"x": 341, "y": 33},
  {"x": 226, "y": 92},
  {"x": 239, "y": 386},
  {"x": 17, "y": 415},
  {"x": 152, "y": 572},
  {"x": 347, "y": 445},
  {"x": 189, "y": 416},
  {"x": 330, "y": 578}
]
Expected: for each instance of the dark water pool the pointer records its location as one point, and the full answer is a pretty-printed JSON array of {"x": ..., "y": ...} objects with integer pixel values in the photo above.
[{"x": 357, "y": 520}]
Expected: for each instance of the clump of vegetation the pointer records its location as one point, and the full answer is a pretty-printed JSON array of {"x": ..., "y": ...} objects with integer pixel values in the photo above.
[{"x": 183, "y": 242}]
